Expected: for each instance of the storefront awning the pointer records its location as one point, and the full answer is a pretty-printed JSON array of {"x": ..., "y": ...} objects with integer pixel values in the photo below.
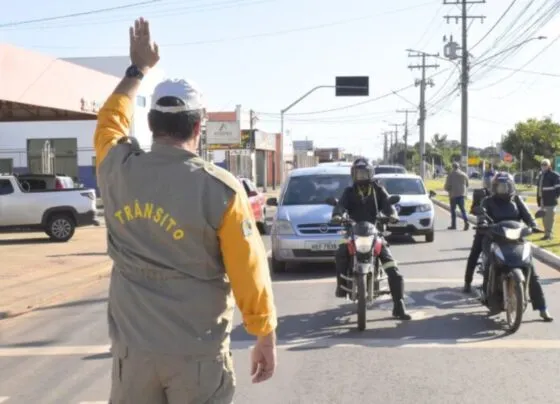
[{"x": 37, "y": 87}]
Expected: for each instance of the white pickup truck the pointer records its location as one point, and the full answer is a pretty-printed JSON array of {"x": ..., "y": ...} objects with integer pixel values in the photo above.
[{"x": 57, "y": 212}]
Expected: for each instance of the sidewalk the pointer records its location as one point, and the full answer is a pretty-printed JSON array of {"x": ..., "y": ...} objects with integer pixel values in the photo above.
[{"x": 36, "y": 272}]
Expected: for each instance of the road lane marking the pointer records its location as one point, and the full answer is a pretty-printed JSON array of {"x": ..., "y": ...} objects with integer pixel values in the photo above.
[
  {"x": 406, "y": 280},
  {"x": 93, "y": 402},
  {"x": 323, "y": 342}
]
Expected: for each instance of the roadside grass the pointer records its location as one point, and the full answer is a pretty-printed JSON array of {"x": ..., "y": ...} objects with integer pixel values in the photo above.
[{"x": 552, "y": 246}]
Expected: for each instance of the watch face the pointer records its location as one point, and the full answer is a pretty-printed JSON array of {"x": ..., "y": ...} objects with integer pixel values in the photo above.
[{"x": 133, "y": 71}]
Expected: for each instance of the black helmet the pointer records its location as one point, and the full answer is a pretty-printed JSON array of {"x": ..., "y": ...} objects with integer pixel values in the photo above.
[
  {"x": 503, "y": 185},
  {"x": 362, "y": 172}
]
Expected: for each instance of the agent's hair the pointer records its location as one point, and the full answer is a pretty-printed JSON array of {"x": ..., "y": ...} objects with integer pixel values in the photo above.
[{"x": 179, "y": 125}]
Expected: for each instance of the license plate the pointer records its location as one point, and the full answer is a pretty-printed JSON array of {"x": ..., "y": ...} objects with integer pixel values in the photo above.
[
  {"x": 322, "y": 246},
  {"x": 401, "y": 223}
]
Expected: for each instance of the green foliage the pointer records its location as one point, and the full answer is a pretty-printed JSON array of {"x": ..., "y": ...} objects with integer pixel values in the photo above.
[{"x": 537, "y": 138}]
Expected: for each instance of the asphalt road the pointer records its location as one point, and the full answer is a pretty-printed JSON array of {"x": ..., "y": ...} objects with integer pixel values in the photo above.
[{"x": 59, "y": 354}]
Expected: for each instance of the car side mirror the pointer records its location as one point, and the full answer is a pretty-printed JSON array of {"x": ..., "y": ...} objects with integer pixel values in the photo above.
[
  {"x": 331, "y": 201},
  {"x": 432, "y": 193},
  {"x": 272, "y": 202},
  {"x": 252, "y": 193},
  {"x": 394, "y": 199}
]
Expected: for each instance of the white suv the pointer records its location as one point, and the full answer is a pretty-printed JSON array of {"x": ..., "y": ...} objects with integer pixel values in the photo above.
[{"x": 415, "y": 209}]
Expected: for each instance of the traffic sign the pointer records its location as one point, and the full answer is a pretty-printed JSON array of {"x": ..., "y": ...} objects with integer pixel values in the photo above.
[{"x": 352, "y": 86}]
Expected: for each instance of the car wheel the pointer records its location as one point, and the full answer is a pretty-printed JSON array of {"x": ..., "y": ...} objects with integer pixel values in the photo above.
[
  {"x": 430, "y": 237},
  {"x": 277, "y": 266},
  {"x": 60, "y": 227}
]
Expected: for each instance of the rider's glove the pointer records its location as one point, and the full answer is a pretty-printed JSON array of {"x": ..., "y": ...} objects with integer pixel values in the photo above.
[
  {"x": 336, "y": 219},
  {"x": 393, "y": 219}
]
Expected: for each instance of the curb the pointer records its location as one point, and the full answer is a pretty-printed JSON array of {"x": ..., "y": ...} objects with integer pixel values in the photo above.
[{"x": 539, "y": 253}]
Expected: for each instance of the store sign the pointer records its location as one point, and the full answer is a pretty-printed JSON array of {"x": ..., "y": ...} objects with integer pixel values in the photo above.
[
  {"x": 265, "y": 141},
  {"x": 89, "y": 105},
  {"x": 223, "y": 132}
]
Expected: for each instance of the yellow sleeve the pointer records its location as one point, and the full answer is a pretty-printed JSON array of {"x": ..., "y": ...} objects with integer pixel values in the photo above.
[
  {"x": 246, "y": 265},
  {"x": 113, "y": 123}
]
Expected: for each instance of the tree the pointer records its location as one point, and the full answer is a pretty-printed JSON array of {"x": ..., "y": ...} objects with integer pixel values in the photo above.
[{"x": 537, "y": 138}]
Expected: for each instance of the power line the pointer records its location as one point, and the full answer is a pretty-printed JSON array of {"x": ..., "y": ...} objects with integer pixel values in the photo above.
[
  {"x": 515, "y": 71},
  {"x": 225, "y": 5},
  {"x": 495, "y": 24},
  {"x": 522, "y": 70},
  {"x": 89, "y": 12}
]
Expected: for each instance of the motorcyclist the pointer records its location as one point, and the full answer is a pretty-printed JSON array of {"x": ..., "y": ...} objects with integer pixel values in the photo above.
[
  {"x": 363, "y": 201},
  {"x": 504, "y": 204}
]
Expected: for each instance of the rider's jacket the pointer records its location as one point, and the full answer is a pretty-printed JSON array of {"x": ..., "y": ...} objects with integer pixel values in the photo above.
[
  {"x": 364, "y": 203},
  {"x": 500, "y": 209}
]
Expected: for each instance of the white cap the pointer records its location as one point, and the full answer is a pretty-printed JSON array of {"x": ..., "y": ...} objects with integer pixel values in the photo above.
[{"x": 185, "y": 91}]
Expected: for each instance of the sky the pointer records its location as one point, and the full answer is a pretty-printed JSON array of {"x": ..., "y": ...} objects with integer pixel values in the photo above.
[{"x": 264, "y": 54}]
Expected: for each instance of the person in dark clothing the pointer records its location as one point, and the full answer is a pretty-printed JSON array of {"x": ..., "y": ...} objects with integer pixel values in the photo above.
[
  {"x": 363, "y": 201},
  {"x": 505, "y": 204}
]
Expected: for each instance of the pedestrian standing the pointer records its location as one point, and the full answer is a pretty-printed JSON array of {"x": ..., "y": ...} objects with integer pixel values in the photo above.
[
  {"x": 548, "y": 190},
  {"x": 183, "y": 242},
  {"x": 457, "y": 185}
]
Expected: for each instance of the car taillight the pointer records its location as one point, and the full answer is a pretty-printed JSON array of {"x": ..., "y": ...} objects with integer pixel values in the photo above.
[
  {"x": 58, "y": 184},
  {"x": 87, "y": 195}
]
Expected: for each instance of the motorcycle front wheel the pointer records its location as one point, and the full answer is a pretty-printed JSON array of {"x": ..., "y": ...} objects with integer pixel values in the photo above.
[
  {"x": 514, "y": 305},
  {"x": 361, "y": 282}
]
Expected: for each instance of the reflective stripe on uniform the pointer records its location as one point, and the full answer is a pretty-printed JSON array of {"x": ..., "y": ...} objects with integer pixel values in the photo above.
[{"x": 389, "y": 264}]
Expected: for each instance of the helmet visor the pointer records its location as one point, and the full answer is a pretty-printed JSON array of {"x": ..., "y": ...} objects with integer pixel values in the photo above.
[
  {"x": 362, "y": 174},
  {"x": 503, "y": 188}
]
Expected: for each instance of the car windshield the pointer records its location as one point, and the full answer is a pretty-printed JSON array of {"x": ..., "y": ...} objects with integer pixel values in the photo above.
[
  {"x": 388, "y": 170},
  {"x": 403, "y": 186},
  {"x": 315, "y": 189}
]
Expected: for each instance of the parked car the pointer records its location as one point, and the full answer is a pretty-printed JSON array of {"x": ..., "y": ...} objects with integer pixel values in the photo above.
[
  {"x": 257, "y": 203},
  {"x": 300, "y": 228},
  {"x": 385, "y": 169},
  {"x": 43, "y": 182},
  {"x": 56, "y": 212},
  {"x": 415, "y": 209}
]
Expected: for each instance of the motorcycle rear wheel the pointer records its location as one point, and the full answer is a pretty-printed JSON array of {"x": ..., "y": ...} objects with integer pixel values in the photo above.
[
  {"x": 361, "y": 282},
  {"x": 514, "y": 300}
]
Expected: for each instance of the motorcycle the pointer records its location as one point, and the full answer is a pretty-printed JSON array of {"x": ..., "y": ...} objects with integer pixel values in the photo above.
[
  {"x": 364, "y": 246},
  {"x": 508, "y": 260}
]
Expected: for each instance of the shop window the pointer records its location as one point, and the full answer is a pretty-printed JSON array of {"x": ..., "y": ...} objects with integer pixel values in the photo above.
[{"x": 141, "y": 101}]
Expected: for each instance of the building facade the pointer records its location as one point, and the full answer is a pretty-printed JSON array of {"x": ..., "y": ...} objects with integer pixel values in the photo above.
[{"x": 22, "y": 142}]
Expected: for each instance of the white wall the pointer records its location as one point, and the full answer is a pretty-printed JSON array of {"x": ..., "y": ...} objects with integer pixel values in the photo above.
[{"x": 14, "y": 135}]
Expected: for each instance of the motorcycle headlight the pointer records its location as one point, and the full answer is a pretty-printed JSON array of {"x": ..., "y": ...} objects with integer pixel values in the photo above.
[
  {"x": 282, "y": 227},
  {"x": 424, "y": 208},
  {"x": 363, "y": 244}
]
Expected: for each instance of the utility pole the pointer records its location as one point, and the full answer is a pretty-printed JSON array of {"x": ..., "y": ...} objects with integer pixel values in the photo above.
[
  {"x": 252, "y": 151},
  {"x": 422, "y": 107},
  {"x": 405, "y": 137},
  {"x": 464, "y": 17},
  {"x": 385, "y": 147}
]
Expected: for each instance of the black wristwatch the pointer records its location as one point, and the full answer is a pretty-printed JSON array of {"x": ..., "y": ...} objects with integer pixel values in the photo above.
[{"x": 134, "y": 72}]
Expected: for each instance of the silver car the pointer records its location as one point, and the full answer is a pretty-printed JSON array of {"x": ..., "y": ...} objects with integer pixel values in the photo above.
[{"x": 300, "y": 231}]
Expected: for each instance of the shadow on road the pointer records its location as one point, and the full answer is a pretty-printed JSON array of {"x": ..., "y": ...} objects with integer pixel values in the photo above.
[
  {"x": 340, "y": 323},
  {"x": 105, "y": 355},
  {"x": 26, "y": 241},
  {"x": 74, "y": 303},
  {"x": 30, "y": 344},
  {"x": 91, "y": 254}
]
